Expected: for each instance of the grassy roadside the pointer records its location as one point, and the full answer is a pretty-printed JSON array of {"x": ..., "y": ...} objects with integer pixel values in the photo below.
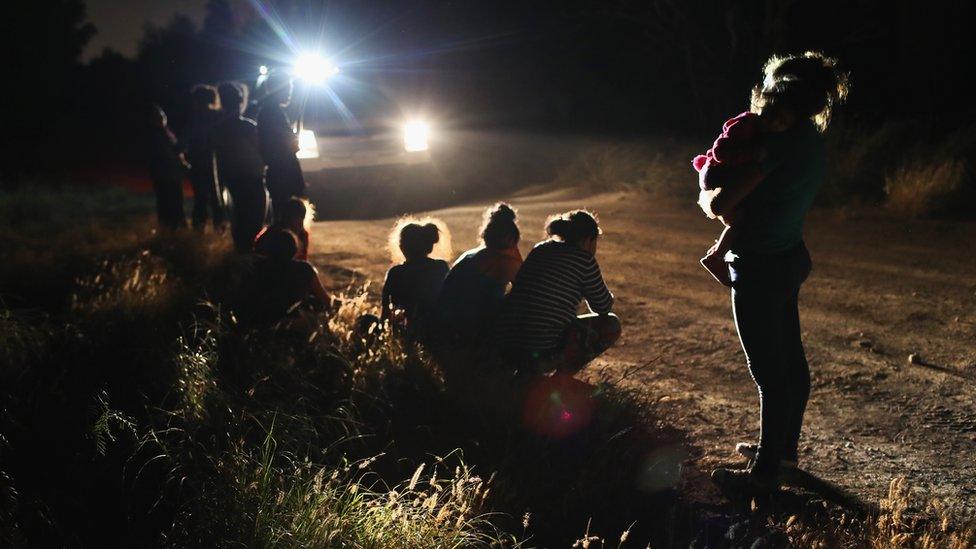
[{"x": 137, "y": 412}]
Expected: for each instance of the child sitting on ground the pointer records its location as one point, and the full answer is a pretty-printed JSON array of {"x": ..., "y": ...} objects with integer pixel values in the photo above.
[
  {"x": 296, "y": 217},
  {"x": 412, "y": 287},
  {"x": 737, "y": 147}
]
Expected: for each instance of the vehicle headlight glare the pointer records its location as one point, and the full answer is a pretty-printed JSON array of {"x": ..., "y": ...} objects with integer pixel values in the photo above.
[
  {"x": 308, "y": 146},
  {"x": 313, "y": 68},
  {"x": 415, "y": 135}
]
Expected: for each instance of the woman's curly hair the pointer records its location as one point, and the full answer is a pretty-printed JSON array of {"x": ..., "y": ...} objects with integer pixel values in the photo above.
[{"x": 810, "y": 84}]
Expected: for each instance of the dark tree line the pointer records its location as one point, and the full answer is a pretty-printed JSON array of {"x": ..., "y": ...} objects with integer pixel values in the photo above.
[{"x": 638, "y": 66}]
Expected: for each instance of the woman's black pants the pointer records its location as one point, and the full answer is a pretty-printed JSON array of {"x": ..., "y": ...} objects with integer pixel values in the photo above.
[{"x": 765, "y": 305}]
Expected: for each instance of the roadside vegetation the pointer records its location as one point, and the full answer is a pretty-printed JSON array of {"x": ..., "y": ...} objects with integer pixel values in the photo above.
[
  {"x": 137, "y": 411},
  {"x": 905, "y": 169}
]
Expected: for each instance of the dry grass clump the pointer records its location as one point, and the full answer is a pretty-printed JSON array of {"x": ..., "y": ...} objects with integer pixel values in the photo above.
[
  {"x": 132, "y": 284},
  {"x": 297, "y": 504},
  {"x": 899, "y": 523},
  {"x": 660, "y": 167},
  {"x": 921, "y": 189}
]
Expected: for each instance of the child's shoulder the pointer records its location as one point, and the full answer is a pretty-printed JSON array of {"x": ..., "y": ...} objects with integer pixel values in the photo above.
[{"x": 395, "y": 270}]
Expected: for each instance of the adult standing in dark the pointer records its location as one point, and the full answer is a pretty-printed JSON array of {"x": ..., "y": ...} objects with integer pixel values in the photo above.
[
  {"x": 279, "y": 143},
  {"x": 208, "y": 201},
  {"x": 768, "y": 261},
  {"x": 166, "y": 169},
  {"x": 240, "y": 166}
]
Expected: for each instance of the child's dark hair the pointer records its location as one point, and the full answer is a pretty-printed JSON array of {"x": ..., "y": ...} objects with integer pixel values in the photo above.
[
  {"x": 204, "y": 96},
  {"x": 418, "y": 240},
  {"x": 500, "y": 229},
  {"x": 278, "y": 245},
  {"x": 294, "y": 209},
  {"x": 573, "y": 226},
  {"x": 233, "y": 95},
  {"x": 810, "y": 85}
]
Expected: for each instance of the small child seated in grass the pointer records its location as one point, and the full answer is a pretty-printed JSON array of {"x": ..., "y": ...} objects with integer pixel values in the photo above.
[
  {"x": 280, "y": 281},
  {"x": 296, "y": 217},
  {"x": 412, "y": 287},
  {"x": 737, "y": 147}
]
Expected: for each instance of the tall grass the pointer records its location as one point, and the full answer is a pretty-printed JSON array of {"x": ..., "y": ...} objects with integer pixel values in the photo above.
[{"x": 911, "y": 167}]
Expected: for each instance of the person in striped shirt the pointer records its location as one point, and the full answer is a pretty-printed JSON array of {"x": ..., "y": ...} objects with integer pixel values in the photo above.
[{"x": 538, "y": 328}]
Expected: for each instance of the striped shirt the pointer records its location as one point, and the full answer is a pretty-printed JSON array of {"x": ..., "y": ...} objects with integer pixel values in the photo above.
[{"x": 546, "y": 295}]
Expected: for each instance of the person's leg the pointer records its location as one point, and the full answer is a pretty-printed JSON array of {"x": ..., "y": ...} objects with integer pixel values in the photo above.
[
  {"x": 277, "y": 199},
  {"x": 250, "y": 210},
  {"x": 162, "y": 211},
  {"x": 169, "y": 203},
  {"x": 218, "y": 204},
  {"x": 758, "y": 320},
  {"x": 798, "y": 377},
  {"x": 201, "y": 199},
  {"x": 588, "y": 337}
]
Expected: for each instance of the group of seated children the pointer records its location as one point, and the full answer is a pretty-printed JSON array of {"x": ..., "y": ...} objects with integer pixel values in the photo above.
[{"x": 535, "y": 327}]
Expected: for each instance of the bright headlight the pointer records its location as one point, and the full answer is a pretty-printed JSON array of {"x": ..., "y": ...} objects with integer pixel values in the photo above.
[
  {"x": 415, "y": 134},
  {"x": 313, "y": 68},
  {"x": 308, "y": 146}
]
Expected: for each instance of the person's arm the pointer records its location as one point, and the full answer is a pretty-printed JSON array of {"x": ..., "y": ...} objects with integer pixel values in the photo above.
[
  {"x": 734, "y": 184},
  {"x": 594, "y": 289},
  {"x": 318, "y": 290}
]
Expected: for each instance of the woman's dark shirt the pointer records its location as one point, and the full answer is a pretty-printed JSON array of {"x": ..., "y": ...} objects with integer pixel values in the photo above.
[
  {"x": 475, "y": 288},
  {"x": 278, "y": 145},
  {"x": 546, "y": 295},
  {"x": 773, "y": 214},
  {"x": 199, "y": 146},
  {"x": 164, "y": 156},
  {"x": 235, "y": 144}
]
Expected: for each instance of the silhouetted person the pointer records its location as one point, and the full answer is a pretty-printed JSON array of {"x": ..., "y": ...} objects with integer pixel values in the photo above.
[
  {"x": 411, "y": 288},
  {"x": 475, "y": 288},
  {"x": 279, "y": 143},
  {"x": 769, "y": 260},
  {"x": 240, "y": 166},
  {"x": 166, "y": 169},
  {"x": 279, "y": 283},
  {"x": 295, "y": 217},
  {"x": 538, "y": 327},
  {"x": 208, "y": 200}
]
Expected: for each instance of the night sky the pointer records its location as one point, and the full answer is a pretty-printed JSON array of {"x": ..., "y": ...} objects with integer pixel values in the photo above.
[{"x": 120, "y": 23}]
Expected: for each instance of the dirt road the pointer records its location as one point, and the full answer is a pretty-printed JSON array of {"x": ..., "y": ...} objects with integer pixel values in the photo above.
[{"x": 880, "y": 291}]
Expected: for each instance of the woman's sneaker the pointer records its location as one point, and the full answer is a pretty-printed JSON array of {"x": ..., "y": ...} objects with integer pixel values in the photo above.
[{"x": 750, "y": 451}]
